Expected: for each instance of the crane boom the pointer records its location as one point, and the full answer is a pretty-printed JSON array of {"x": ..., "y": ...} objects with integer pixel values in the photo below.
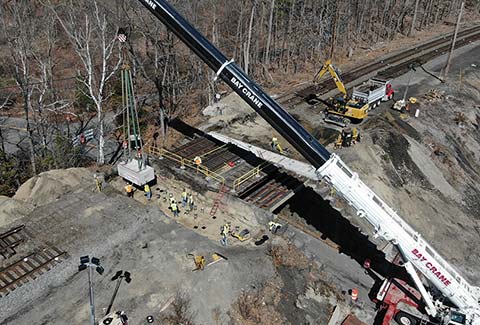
[
  {"x": 246, "y": 88},
  {"x": 330, "y": 167}
]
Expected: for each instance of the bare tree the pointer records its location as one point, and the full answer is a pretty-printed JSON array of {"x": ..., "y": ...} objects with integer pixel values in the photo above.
[
  {"x": 93, "y": 39},
  {"x": 415, "y": 10},
  {"x": 19, "y": 27},
  {"x": 269, "y": 35},
  {"x": 246, "y": 54}
]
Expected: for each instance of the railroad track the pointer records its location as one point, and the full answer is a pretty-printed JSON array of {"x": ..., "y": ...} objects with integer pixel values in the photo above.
[
  {"x": 10, "y": 240},
  {"x": 29, "y": 268},
  {"x": 389, "y": 67}
]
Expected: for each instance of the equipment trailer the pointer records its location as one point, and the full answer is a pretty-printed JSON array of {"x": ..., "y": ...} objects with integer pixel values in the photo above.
[{"x": 416, "y": 252}]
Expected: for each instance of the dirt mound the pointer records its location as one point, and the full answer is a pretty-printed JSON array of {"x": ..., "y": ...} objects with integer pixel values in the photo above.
[
  {"x": 49, "y": 186},
  {"x": 11, "y": 210}
]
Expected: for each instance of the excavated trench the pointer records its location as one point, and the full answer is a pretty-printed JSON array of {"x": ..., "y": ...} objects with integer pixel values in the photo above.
[{"x": 317, "y": 212}]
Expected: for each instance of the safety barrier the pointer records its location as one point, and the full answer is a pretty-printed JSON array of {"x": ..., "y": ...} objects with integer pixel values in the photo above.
[
  {"x": 250, "y": 174},
  {"x": 213, "y": 151},
  {"x": 184, "y": 162}
]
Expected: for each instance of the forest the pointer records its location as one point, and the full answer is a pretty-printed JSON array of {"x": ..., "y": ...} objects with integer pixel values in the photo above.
[{"x": 60, "y": 61}]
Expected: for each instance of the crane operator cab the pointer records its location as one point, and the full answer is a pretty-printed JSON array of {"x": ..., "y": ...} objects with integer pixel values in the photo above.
[{"x": 457, "y": 318}]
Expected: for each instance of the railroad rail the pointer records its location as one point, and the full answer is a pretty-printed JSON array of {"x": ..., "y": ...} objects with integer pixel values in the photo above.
[
  {"x": 10, "y": 240},
  {"x": 29, "y": 268},
  {"x": 388, "y": 67}
]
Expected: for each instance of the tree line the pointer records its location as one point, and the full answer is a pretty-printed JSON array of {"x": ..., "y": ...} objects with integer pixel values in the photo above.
[{"x": 60, "y": 60}]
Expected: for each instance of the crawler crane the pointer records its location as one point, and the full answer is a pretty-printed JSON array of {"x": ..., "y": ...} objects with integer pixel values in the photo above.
[{"x": 459, "y": 303}]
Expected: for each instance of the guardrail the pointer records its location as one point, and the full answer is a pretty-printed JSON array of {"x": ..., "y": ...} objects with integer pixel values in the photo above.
[
  {"x": 252, "y": 173},
  {"x": 184, "y": 162}
]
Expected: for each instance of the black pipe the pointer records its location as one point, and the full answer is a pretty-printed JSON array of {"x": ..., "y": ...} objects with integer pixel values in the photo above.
[{"x": 246, "y": 88}]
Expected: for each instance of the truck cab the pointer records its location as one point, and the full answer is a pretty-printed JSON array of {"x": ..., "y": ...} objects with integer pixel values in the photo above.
[{"x": 457, "y": 318}]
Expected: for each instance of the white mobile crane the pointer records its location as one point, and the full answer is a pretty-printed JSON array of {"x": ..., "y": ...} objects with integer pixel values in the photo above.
[{"x": 459, "y": 302}]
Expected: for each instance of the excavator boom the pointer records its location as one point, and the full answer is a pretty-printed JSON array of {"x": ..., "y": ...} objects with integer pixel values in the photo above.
[{"x": 328, "y": 66}]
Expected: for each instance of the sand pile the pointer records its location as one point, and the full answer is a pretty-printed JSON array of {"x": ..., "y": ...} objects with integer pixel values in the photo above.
[
  {"x": 11, "y": 210},
  {"x": 50, "y": 186}
]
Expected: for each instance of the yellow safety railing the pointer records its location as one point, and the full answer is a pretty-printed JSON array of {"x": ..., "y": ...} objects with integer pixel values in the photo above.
[
  {"x": 212, "y": 151},
  {"x": 184, "y": 162},
  {"x": 250, "y": 174}
]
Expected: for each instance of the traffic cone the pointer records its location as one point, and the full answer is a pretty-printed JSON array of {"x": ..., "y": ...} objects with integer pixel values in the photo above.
[{"x": 354, "y": 294}]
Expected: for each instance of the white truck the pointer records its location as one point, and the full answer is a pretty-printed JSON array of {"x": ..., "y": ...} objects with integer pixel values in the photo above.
[{"x": 373, "y": 92}]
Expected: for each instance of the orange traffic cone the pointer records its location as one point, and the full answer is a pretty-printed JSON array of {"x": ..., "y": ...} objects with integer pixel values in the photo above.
[{"x": 354, "y": 294}]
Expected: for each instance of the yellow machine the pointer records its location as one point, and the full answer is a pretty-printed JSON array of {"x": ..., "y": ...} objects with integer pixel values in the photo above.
[
  {"x": 341, "y": 110},
  {"x": 347, "y": 137},
  {"x": 240, "y": 235},
  {"x": 201, "y": 262}
]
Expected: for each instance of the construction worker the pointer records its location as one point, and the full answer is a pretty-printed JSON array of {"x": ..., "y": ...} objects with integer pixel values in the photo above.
[
  {"x": 191, "y": 202},
  {"x": 129, "y": 190},
  {"x": 273, "y": 144},
  {"x": 338, "y": 143},
  {"x": 346, "y": 137},
  {"x": 147, "y": 192},
  {"x": 356, "y": 136},
  {"x": 174, "y": 208},
  {"x": 172, "y": 199},
  {"x": 184, "y": 198},
  {"x": 224, "y": 231},
  {"x": 276, "y": 145},
  {"x": 98, "y": 182}
]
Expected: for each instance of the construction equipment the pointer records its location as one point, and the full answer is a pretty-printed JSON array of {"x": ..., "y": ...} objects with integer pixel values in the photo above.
[
  {"x": 134, "y": 167},
  {"x": 240, "y": 235},
  {"x": 340, "y": 110},
  {"x": 201, "y": 263},
  {"x": 373, "y": 92},
  {"x": 449, "y": 298},
  {"x": 403, "y": 105},
  {"x": 347, "y": 137},
  {"x": 274, "y": 227}
]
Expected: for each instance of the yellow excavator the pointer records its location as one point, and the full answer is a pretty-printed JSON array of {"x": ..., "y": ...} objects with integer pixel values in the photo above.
[{"x": 340, "y": 110}]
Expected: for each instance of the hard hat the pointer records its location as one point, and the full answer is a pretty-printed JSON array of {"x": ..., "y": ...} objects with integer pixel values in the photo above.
[{"x": 274, "y": 139}]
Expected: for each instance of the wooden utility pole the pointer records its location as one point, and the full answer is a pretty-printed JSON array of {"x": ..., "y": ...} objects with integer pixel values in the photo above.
[{"x": 457, "y": 27}]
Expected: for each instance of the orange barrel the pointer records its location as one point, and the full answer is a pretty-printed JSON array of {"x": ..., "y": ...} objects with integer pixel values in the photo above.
[{"x": 354, "y": 294}]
